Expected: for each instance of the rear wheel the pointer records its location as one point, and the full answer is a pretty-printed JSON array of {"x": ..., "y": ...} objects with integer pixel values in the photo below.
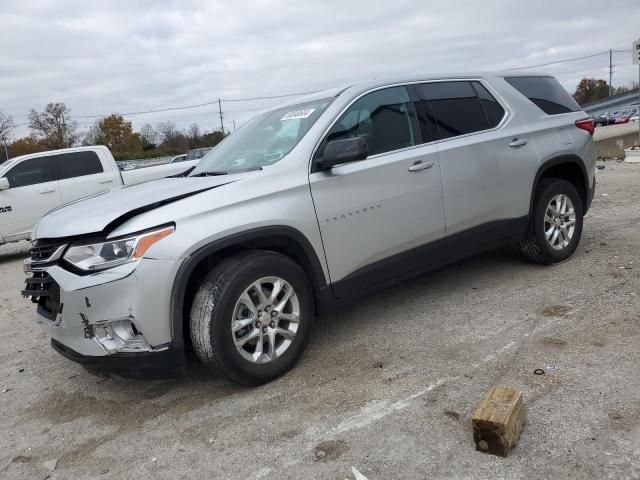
[
  {"x": 251, "y": 317},
  {"x": 556, "y": 224}
]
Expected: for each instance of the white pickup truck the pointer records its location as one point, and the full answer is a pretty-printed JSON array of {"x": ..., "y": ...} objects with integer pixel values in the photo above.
[{"x": 31, "y": 185}]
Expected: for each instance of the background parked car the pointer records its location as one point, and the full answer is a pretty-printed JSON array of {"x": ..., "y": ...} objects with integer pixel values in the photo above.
[
  {"x": 600, "y": 120},
  {"x": 612, "y": 115},
  {"x": 197, "y": 153},
  {"x": 179, "y": 158},
  {"x": 624, "y": 118},
  {"x": 31, "y": 185}
]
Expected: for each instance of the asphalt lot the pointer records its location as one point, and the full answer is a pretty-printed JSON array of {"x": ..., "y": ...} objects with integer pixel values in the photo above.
[{"x": 387, "y": 385}]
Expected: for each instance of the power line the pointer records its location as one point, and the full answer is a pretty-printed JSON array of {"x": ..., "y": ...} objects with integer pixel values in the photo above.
[
  {"x": 285, "y": 95},
  {"x": 568, "y": 60},
  {"x": 205, "y": 104},
  {"x": 269, "y": 98}
]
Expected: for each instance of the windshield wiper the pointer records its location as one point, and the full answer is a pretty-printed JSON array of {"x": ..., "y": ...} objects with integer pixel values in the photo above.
[
  {"x": 209, "y": 174},
  {"x": 216, "y": 173}
]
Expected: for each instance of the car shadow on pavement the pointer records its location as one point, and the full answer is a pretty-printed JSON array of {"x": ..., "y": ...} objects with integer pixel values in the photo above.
[
  {"x": 10, "y": 252},
  {"x": 10, "y": 257},
  {"x": 209, "y": 386}
]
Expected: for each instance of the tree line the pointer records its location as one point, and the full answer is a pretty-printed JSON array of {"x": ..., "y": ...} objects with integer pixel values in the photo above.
[
  {"x": 592, "y": 89},
  {"x": 54, "y": 128}
]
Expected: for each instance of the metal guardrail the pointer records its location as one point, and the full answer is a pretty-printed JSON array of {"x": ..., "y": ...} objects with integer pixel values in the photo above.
[{"x": 619, "y": 102}]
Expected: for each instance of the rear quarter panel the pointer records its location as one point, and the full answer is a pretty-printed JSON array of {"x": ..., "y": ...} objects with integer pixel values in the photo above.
[{"x": 552, "y": 135}]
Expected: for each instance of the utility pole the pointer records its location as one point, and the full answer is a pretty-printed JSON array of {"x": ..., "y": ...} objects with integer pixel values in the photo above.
[
  {"x": 220, "y": 112},
  {"x": 610, "y": 71},
  {"x": 635, "y": 56},
  {"x": 64, "y": 133},
  {"x": 6, "y": 152},
  {"x": 234, "y": 125}
]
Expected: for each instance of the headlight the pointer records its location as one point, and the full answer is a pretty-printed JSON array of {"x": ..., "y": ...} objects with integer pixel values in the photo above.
[{"x": 91, "y": 257}]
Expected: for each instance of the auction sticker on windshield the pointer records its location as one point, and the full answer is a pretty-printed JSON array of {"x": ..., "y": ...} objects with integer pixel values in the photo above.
[{"x": 295, "y": 114}]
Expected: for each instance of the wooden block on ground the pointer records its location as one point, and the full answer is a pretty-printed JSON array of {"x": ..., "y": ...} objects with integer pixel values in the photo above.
[{"x": 499, "y": 421}]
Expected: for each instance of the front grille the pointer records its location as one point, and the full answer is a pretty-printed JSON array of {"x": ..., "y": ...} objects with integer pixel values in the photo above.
[
  {"x": 42, "y": 250},
  {"x": 42, "y": 253}
]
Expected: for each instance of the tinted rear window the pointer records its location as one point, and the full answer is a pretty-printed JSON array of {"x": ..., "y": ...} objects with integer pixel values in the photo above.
[
  {"x": 454, "y": 107},
  {"x": 491, "y": 106},
  {"x": 546, "y": 93},
  {"x": 76, "y": 164}
]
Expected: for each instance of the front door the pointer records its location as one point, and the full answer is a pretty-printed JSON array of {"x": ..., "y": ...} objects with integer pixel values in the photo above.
[
  {"x": 32, "y": 193},
  {"x": 382, "y": 216}
]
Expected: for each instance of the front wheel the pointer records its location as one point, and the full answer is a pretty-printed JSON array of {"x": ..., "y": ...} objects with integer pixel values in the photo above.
[
  {"x": 251, "y": 317},
  {"x": 556, "y": 223}
]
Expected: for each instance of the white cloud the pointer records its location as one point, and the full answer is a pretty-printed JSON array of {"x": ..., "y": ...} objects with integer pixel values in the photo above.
[{"x": 121, "y": 56}]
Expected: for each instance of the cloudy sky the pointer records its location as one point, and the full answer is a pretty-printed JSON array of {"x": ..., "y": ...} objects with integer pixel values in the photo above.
[{"x": 127, "y": 56}]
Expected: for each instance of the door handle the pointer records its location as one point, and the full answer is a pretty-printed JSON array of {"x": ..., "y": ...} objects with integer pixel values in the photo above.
[
  {"x": 419, "y": 165},
  {"x": 518, "y": 142},
  {"x": 43, "y": 192},
  {"x": 105, "y": 181}
]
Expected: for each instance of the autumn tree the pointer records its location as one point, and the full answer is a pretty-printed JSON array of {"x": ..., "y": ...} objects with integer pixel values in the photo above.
[
  {"x": 6, "y": 126},
  {"x": 25, "y": 145},
  {"x": 54, "y": 126},
  {"x": 117, "y": 134},
  {"x": 172, "y": 139},
  {"x": 211, "y": 139},
  {"x": 149, "y": 137},
  {"x": 589, "y": 90},
  {"x": 194, "y": 136}
]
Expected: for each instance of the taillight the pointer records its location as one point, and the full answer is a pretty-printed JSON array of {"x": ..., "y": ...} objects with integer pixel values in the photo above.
[{"x": 586, "y": 125}]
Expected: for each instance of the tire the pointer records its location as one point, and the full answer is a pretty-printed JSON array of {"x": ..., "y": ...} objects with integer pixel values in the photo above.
[
  {"x": 536, "y": 247},
  {"x": 218, "y": 303}
]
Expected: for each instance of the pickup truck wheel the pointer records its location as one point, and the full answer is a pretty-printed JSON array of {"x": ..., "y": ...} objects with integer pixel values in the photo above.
[
  {"x": 251, "y": 317},
  {"x": 557, "y": 223}
]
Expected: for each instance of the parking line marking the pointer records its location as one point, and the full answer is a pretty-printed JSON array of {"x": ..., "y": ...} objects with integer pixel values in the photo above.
[{"x": 375, "y": 411}]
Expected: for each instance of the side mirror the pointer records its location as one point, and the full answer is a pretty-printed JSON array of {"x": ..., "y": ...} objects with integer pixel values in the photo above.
[
  {"x": 4, "y": 183},
  {"x": 342, "y": 151}
]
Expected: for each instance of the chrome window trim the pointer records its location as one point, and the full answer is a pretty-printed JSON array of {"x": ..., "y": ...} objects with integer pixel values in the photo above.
[{"x": 505, "y": 106}]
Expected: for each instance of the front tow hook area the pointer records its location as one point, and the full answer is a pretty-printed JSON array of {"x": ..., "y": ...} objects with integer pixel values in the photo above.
[{"x": 117, "y": 336}]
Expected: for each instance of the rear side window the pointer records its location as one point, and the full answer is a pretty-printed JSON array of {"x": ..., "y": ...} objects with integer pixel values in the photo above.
[
  {"x": 384, "y": 118},
  {"x": 546, "y": 93},
  {"x": 30, "y": 172},
  {"x": 492, "y": 108},
  {"x": 76, "y": 164},
  {"x": 455, "y": 109}
]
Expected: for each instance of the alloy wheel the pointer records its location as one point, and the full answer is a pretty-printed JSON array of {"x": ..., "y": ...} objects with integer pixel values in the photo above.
[
  {"x": 265, "y": 320},
  {"x": 559, "y": 221}
]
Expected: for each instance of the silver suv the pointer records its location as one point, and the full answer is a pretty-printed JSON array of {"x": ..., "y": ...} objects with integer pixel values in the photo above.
[{"x": 308, "y": 207}]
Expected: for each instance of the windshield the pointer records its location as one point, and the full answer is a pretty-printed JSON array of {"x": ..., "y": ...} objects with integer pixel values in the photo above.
[{"x": 264, "y": 140}]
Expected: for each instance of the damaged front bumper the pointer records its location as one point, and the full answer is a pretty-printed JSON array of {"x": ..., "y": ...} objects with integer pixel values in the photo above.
[
  {"x": 166, "y": 363},
  {"x": 117, "y": 320}
]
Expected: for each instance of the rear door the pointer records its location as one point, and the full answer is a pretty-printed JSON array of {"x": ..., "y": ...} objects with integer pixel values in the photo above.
[
  {"x": 380, "y": 217},
  {"x": 33, "y": 192},
  {"x": 81, "y": 174},
  {"x": 487, "y": 162}
]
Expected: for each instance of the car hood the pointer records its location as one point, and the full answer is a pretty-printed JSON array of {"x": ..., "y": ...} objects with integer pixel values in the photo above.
[{"x": 104, "y": 211}]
